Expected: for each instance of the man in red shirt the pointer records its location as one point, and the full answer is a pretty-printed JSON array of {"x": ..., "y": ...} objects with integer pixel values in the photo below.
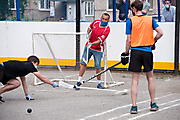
[{"x": 97, "y": 33}]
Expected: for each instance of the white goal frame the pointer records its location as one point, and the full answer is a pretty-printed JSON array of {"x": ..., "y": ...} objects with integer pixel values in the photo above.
[{"x": 42, "y": 35}]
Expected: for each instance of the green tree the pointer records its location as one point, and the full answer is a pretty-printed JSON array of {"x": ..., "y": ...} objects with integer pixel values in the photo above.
[
  {"x": 23, "y": 4},
  {"x": 5, "y": 6},
  {"x": 4, "y": 9}
]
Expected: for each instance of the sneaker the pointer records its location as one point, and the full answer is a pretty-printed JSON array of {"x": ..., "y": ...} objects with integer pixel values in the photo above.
[
  {"x": 99, "y": 86},
  {"x": 1, "y": 101},
  {"x": 154, "y": 107},
  {"x": 133, "y": 110},
  {"x": 78, "y": 85},
  {"x": 27, "y": 98}
]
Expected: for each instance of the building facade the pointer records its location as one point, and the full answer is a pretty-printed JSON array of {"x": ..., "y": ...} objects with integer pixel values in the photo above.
[
  {"x": 65, "y": 10},
  {"x": 55, "y": 10},
  {"x": 107, "y": 7}
]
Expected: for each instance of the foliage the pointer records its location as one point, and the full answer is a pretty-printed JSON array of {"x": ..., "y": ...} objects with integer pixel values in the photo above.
[
  {"x": 26, "y": 19},
  {"x": 35, "y": 2},
  {"x": 6, "y": 12},
  {"x": 4, "y": 9},
  {"x": 14, "y": 18},
  {"x": 23, "y": 4}
]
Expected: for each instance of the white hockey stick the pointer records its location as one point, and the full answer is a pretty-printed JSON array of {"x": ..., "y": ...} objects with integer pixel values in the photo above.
[
  {"x": 86, "y": 61},
  {"x": 77, "y": 86}
]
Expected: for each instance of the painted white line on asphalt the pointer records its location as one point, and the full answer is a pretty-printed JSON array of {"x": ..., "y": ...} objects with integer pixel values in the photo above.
[
  {"x": 143, "y": 109},
  {"x": 71, "y": 80},
  {"x": 108, "y": 111},
  {"x": 154, "y": 112},
  {"x": 124, "y": 92},
  {"x": 66, "y": 85},
  {"x": 71, "y": 76},
  {"x": 171, "y": 79},
  {"x": 168, "y": 80},
  {"x": 109, "y": 90}
]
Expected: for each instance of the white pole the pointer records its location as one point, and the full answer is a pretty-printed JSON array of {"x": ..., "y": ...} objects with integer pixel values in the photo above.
[
  {"x": 105, "y": 64},
  {"x": 54, "y": 56}
]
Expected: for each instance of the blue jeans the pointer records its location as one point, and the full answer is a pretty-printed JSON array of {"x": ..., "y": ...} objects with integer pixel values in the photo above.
[{"x": 97, "y": 57}]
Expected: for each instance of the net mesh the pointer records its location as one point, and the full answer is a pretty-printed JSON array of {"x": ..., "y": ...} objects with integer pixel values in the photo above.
[
  {"x": 59, "y": 49},
  {"x": 56, "y": 49},
  {"x": 63, "y": 46}
]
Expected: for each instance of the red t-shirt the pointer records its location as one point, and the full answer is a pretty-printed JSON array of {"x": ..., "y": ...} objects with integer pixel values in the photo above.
[{"x": 98, "y": 33}]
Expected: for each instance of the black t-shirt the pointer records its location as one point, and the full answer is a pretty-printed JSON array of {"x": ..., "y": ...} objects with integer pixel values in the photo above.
[
  {"x": 122, "y": 10},
  {"x": 16, "y": 68}
]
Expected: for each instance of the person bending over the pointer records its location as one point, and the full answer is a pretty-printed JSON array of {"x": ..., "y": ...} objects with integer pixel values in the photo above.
[{"x": 10, "y": 70}]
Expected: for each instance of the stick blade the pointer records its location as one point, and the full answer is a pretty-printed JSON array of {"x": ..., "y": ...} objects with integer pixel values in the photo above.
[
  {"x": 117, "y": 84},
  {"x": 66, "y": 85}
]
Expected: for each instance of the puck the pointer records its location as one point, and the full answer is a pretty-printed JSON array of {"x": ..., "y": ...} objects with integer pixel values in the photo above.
[{"x": 29, "y": 110}]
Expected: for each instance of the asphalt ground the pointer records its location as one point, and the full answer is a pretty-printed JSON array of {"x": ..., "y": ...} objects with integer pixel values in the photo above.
[{"x": 91, "y": 104}]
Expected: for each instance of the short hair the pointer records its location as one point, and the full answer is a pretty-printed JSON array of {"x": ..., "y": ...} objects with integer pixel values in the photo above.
[
  {"x": 137, "y": 4},
  {"x": 106, "y": 14},
  {"x": 167, "y": 0},
  {"x": 34, "y": 59}
]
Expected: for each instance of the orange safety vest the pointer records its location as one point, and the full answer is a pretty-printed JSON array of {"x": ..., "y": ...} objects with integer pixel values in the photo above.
[{"x": 142, "y": 31}]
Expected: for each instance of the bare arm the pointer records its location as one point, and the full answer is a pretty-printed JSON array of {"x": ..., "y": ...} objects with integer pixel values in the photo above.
[
  {"x": 129, "y": 13},
  {"x": 128, "y": 44},
  {"x": 88, "y": 30},
  {"x": 118, "y": 16},
  {"x": 159, "y": 33},
  {"x": 42, "y": 78},
  {"x": 144, "y": 11},
  {"x": 96, "y": 42},
  {"x": 24, "y": 84},
  {"x": 88, "y": 34}
]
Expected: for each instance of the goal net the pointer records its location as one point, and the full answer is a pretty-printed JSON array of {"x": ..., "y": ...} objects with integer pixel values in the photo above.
[{"x": 59, "y": 50}]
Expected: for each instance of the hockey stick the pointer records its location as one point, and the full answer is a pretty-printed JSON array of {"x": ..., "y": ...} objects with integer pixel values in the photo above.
[
  {"x": 86, "y": 61},
  {"x": 76, "y": 86}
]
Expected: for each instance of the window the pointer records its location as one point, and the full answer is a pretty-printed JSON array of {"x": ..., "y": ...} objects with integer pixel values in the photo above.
[
  {"x": 44, "y": 5},
  {"x": 110, "y": 4},
  {"x": 89, "y": 8},
  {"x": 12, "y": 4}
]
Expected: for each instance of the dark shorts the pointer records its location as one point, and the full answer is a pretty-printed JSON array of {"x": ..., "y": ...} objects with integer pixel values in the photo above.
[
  {"x": 3, "y": 78},
  {"x": 139, "y": 59}
]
